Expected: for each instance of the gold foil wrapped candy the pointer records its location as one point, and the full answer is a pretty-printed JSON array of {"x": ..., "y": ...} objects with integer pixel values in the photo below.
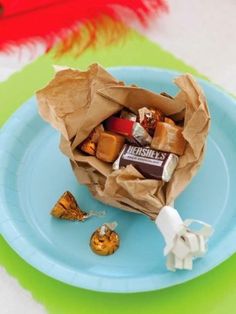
[
  {"x": 105, "y": 241},
  {"x": 67, "y": 208},
  {"x": 148, "y": 118},
  {"x": 89, "y": 145}
]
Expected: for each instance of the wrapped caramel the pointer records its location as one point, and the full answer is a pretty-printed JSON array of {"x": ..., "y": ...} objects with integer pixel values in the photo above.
[
  {"x": 168, "y": 138},
  {"x": 109, "y": 146},
  {"x": 75, "y": 102}
]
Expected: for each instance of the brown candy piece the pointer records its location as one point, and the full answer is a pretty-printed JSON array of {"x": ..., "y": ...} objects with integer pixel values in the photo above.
[
  {"x": 67, "y": 208},
  {"x": 89, "y": 145},
  {"x": 104, "y": 241},
  {"x": 168, "y": 138},
  {"x": 109, "y": 146},
  {"x": 148, "y": 118}
]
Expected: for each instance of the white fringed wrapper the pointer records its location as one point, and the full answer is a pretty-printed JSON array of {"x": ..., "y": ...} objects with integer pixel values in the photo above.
[{"x": 182, "y": 244}]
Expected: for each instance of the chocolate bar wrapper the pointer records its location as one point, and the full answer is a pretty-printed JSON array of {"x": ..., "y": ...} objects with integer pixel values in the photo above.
[
  {"x": 75, "y": 102},
  {"x": 139, "y": 135},
  {"x": 125, "y": 114},
  {"x": 133, "y": 131},
  {"x": 150, "y": 163}
]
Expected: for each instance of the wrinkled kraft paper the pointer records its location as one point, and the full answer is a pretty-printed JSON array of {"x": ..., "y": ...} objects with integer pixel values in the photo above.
[{"x": 75, "y": 102}]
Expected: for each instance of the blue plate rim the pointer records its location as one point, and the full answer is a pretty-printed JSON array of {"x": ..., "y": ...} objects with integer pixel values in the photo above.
[{"x": 41, "y": 262}]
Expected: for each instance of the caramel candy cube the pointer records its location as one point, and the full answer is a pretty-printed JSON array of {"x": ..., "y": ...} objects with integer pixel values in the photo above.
[
  {"x": 109, "y": 146},
  {"x": 168, "y": 138}
]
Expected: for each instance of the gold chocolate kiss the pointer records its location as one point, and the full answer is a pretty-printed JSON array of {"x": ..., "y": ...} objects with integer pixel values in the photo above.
[
  {"x": 105, "y": 241},
  {"x": 67, "y": 208}
]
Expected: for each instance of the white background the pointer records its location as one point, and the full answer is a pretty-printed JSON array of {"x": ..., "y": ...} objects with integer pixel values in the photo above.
[{"x": 202, "y": 33}]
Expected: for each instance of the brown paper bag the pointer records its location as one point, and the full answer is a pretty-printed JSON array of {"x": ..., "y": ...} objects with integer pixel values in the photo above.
[{"x": 75, "y": 102}]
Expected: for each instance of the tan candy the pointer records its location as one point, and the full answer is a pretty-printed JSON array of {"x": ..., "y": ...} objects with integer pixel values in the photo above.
[
  {"x": 168, "y": 138},
  {"x": 109, "y": 146}
]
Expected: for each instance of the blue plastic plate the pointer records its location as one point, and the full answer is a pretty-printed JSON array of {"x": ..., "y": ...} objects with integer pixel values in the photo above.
[{"x": 34, "y": 173}]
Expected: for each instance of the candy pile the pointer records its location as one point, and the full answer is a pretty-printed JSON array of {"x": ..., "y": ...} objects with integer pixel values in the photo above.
[
  {"x": 104, "y": 240},
  {"x": 134, "y": 149},
  {"x": 149, "y": 141}
]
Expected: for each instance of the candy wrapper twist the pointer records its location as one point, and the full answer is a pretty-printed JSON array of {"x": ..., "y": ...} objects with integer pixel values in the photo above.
[{"x": 79, "y": 104}]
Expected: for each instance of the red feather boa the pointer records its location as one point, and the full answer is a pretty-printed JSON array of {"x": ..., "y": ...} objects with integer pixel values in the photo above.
[{"x": 24, "y": 21}]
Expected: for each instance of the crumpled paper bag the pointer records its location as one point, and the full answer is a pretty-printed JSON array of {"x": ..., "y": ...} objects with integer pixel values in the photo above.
[{"x": 75, "y": 102}]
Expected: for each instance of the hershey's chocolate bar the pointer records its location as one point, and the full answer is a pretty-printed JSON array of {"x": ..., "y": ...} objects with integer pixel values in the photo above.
[{"x": 152, "y": 164}]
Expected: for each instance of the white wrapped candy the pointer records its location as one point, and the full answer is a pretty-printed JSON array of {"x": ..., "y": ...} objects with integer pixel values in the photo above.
[{"x": 182, "y": 244}]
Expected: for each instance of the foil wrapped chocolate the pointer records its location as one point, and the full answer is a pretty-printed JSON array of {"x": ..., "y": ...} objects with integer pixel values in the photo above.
[
  {"x": 148, "y": 118},
  {"x": 104, "y": 240},
  {"x": 133, "y": 131},
  {"x": 125, "y": 114},
  {"x": 152, "y": 164},
  {"x": 89, "y": 145},
  {"x": 67, "y": 208}
]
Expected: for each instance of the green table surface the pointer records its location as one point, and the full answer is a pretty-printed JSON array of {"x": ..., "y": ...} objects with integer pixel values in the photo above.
[{"x": 211, "y": 293}]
